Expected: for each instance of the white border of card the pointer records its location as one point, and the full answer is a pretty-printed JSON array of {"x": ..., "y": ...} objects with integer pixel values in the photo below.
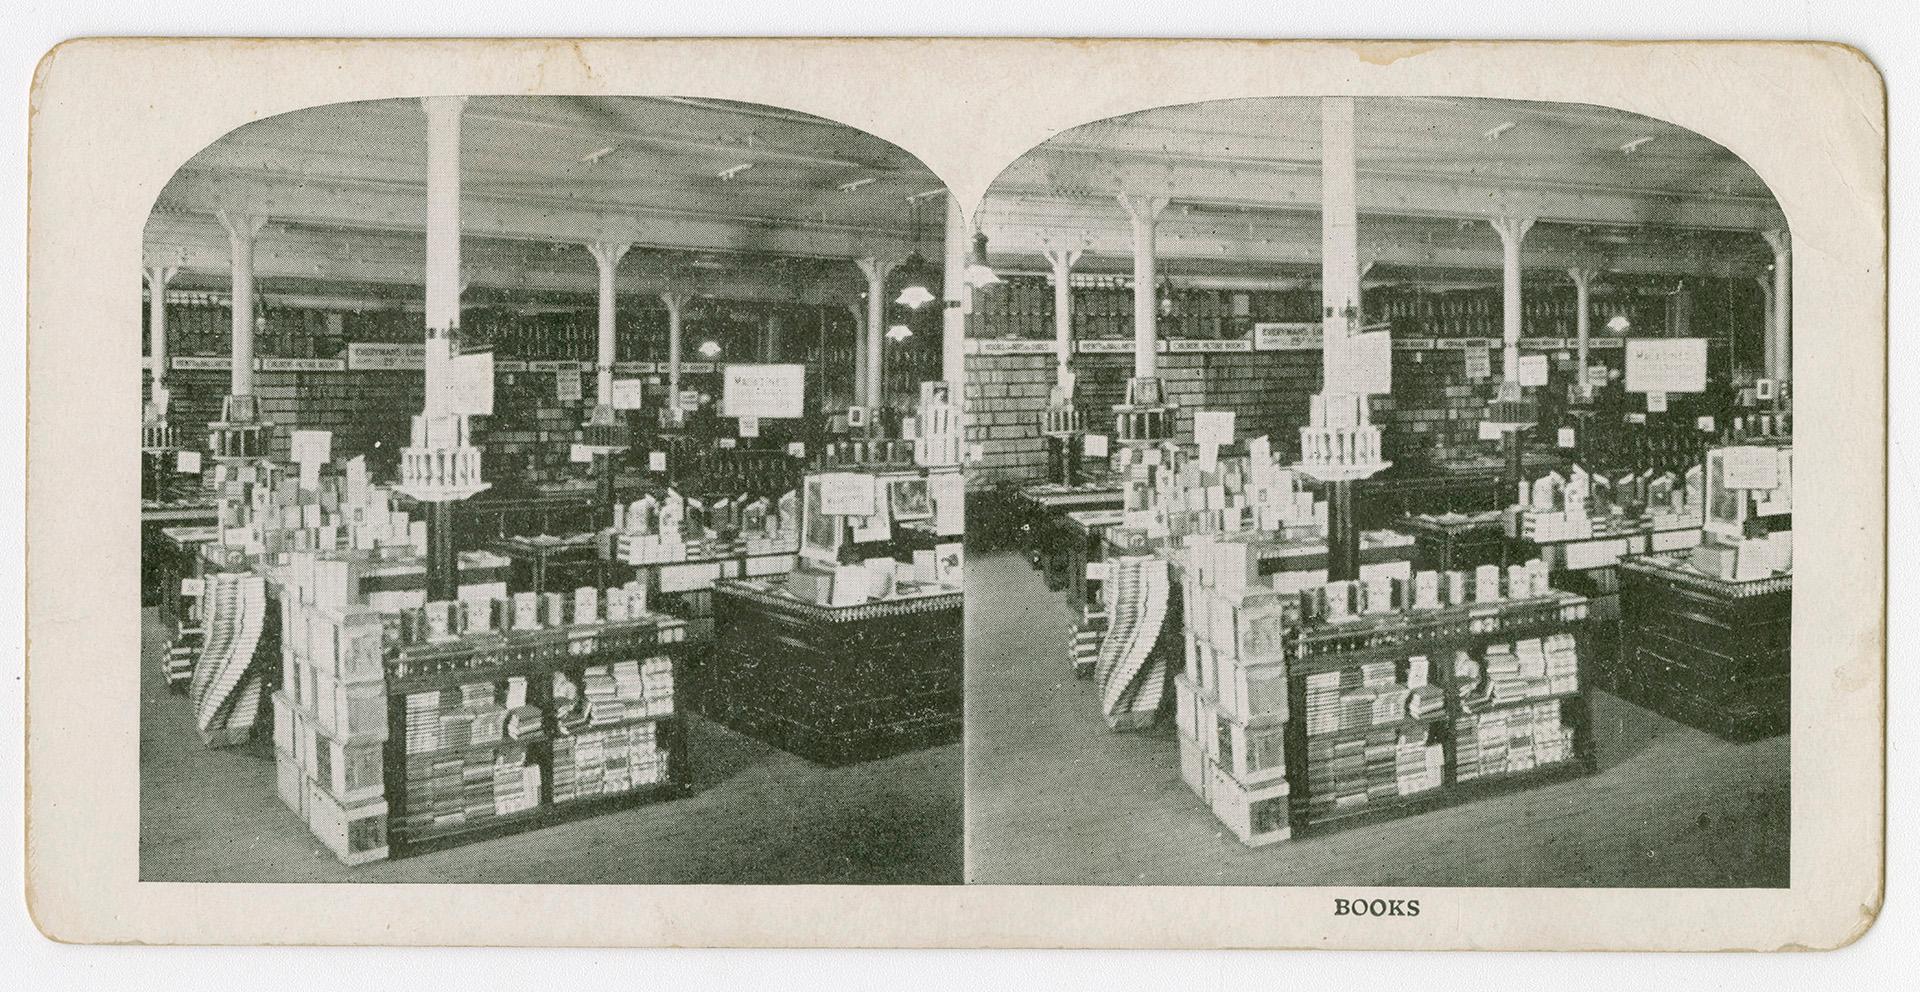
[{"x": 157, "y": 102}]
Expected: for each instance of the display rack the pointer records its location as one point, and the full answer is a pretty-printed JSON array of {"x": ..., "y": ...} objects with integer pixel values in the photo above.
[{"x": 390, "y": 741}]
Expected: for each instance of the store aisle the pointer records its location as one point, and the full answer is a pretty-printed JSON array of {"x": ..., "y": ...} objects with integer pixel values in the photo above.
[
  {"x": 758, "y": 815},
  {"x": 1054, "y": 797}
]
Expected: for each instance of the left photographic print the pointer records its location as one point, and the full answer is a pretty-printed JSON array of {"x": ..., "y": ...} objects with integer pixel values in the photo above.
[{"x": 551, "y": 490}]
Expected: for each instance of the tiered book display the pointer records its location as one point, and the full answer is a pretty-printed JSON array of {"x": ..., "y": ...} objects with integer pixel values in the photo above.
[
  {"x": 403, "y": 731},
  {"x": 1357, "y": 701}
]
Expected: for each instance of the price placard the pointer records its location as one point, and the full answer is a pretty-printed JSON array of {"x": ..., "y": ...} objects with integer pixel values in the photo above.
[
  {"x": 1749, "y": 468},
  {"x": 1533, "y": 370},
  {"x": 627, "y": 394},
  {"x": 846, "y": 494},
  {"x": 763, "y": 391},
  {"x": 1666, "y": 365},
  {"x": 1287, "y": 337},
  {"x": 566, "y": 385},
  {"x": 1213, "y": 427},
  {"x": 1656, "y": 402},
  {"x": 386, "y": 357},
  {"x": 749, "y": 427}
]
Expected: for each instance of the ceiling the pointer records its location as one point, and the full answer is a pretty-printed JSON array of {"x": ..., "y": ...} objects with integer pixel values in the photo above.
[{"x": 343, "y": 187}]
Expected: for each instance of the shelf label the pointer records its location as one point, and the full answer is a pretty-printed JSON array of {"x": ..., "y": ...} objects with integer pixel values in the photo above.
[
  {"x": 1296, "y": 336},
  {"x": 199, "y": 363},
  {"x": 1543, "y": 344},
  {"x": 1104, "y": 347},
  {"x": 559, "y": 366},
  {"x": 696, "y": 367},
  {"x": 1208, "y": 345},
  {"x": 302, "y": 365},
  {"x": 635, "y": 368},
  {"x": 509, "y": 365},
  {"x": 1413, "y": 344},
  {"x": 1016, "y": 346},
  {"x": 386, "y": 357}
]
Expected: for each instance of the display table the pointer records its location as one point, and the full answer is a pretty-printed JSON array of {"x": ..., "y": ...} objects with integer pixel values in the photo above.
[
  {"x": 155, "y": 552},
  {"x": 546, "y": 563},
  {"x": 1086, "y": 556},
  {"x": 1446, "y": 541},
  {"x": 835, "y": 685},
  {"x": 1588, "y": 566},
  {"x": 1711, "y": 653},
  {"x": 1042, "y": 511}
]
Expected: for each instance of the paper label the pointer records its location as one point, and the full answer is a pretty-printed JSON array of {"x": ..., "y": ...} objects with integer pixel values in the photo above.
[
  {"x": 763, "y": 391},
  {"x": 311, "y": 447},
  {"x": 1666, "y": 365},
  {"x": 1207, "y": 345},
  {"x": 1015, "y": 346},
  {"x": 566, "y": 385},
  {"x": 386, "y": 357},
  {"x": 302, "y": 365},
  {"x": 1749, "y": 468},
  {"x": 1479, "y": 363},
  {"x": 1104, "y": 347},
  {"x": 1533, "y": 370},
  {"x": 1213, "y": 427},
  {"x": 847, "y": 494},
  {"x": 1287, "y": 337},
  {"x": 203, "y": 363}
]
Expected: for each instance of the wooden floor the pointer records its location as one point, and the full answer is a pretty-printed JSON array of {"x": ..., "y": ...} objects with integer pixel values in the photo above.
[
  {"x": 1054, "y": 797},
  {"x": 758, "y": 815}
]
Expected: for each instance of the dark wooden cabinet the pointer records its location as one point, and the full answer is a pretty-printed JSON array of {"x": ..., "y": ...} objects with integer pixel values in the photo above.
[{"x": 1709, "y": 653}]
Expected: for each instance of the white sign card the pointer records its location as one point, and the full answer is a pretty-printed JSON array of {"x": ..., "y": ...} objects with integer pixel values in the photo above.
[
  {"x": 728, "y": 442},
  {"x": 628, "y": 394},
  {"x": 311, "y": 447},
  {"x": 846, "y": 494},
  {"x": 1666, "y": 365},
  {"x": 1213, "y": 427},
  {"x": 1750, "y": 468},
  {"x": 656, "y": 461},
  {"x": 189, "y": 462},
  {"x": 580, "y": 453},
  {"x": 1362, "y": 365},
  {"x": 1479, "y": 363},
  {"x": 749, "y": 426},
  {"x": 1705, "y": 424},
  {"x": 1656, "y": 402},
  {"x": 1533, "y": 370},
  {"x": 470, "y": 387},
  {"x": 1095, "y": 446},
  {"x": 566, "y": 385},
  {"x": 1763, "y": 389},
  {"x": 1489, "y": 431},
  {"x": 763, "y": 391},
  {"x": 1566, "y": 437},
  {"x": 797, "y": 449},
  {"x": 689, "y": 399}
]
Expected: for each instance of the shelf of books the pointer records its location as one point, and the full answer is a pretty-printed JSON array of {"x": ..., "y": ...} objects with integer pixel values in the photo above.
[
  {"x": 413, "y": 729},
  {"x": 1356, "y": 701}
]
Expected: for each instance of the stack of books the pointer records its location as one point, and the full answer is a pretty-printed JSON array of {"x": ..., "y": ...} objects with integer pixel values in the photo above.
[
  {"x": 516, "y": 782},
  {"x": 1419, "y": 764}
]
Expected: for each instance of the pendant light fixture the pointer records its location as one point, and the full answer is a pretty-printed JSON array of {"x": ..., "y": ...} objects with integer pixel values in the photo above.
[
  {"x": 915, "y": 269},
  {"x": 979, "y": 273}
]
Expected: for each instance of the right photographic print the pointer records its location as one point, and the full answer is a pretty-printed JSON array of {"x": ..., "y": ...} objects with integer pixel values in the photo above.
[{"x": 1379, "y": 491}]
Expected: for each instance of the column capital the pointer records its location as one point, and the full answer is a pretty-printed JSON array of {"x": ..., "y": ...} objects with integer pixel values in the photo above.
[
  {"x": 876, "y": 268},
  {"x": 1142, "y": 208},
  {"x": 607, "y": 254},
  {"x": 1582, "y": 276},
  {"x": 1062, "y": 260},
  {"x": 1779, "y": 240},
  {"x": 675, "y": 301},
  {"x": 1512, "y": 230},
  {"x": 241, "y": 227},
  {"x": 158, "y": 276}
]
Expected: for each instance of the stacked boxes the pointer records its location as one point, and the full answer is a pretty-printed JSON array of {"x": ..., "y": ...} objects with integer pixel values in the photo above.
[
  {"x": 1231, "y": 703},
  {"x": 330, "y": 723}
]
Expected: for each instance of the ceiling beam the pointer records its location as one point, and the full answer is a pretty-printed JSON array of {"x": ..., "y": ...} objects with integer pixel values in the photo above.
[
  {"x": 1053, "y": 171},
  {"x": 196, "y": 244},
  {"x": 1025, "y": 229},
  {"x": 401, "y": 206}
]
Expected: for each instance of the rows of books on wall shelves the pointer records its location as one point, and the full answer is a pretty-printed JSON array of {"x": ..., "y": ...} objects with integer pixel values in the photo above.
[{"x": 1103, "y": 307}]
